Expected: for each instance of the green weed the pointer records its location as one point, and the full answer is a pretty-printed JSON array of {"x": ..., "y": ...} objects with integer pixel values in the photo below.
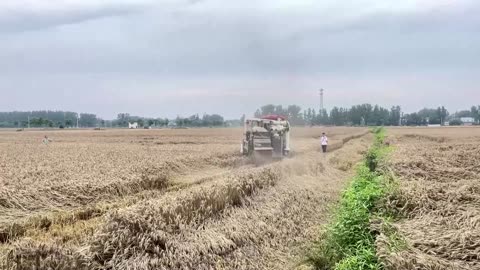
[{"x": 348, "y": 242}]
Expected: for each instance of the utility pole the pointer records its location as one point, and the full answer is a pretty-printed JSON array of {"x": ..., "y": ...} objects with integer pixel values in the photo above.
[
  {"x": 28, "y": 117},
  {"x": 77, "y": 120},
  {"x": 321, "y": 99}
]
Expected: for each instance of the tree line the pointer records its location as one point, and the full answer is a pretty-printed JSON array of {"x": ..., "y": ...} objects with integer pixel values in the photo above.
[
  {"x": 357, "y": 115},
  {"x": 46, "y": 118},
  {"x": 368, "y": 115},
  {"x": 123, "y": 119},
  {"x": 68, "y": 119},
  {"x": 207, "y": 120},
  {"x": 364, "y": 114}
]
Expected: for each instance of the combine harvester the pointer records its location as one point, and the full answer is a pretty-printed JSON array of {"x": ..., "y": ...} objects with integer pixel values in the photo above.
[{"x": 266, "y": 138}]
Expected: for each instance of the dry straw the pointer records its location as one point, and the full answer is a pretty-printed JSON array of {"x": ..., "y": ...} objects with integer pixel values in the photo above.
[
  {"x": 242, "y": 218},
  {"x": 439, "y": 196}
]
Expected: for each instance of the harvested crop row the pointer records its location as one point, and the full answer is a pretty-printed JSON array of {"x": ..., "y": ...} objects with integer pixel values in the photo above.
[
  {"x": 439, "y": 196},
  {"x": 152, "y": 182},
  {"x": 18, "y": 198},
  {"x": 66, "y": 174},
  {"x": 169, "y": 233},
  {"x": 168, "y": 209},
  {"x": 160, "y": 219}
]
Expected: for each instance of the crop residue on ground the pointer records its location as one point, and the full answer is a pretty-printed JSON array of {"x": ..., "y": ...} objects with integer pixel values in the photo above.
[
  {"x": 438, "y": 199},
  {"x": 165, "y": 199}
]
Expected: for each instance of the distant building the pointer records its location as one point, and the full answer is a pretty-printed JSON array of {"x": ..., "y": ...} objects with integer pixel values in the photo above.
[
  {"x": 467, "y": 121},
  {"x": 133, "y": 125}
]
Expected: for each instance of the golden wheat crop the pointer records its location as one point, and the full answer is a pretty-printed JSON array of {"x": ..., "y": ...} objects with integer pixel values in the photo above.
[
  {"x": 439, "y": 196},
  {"x": 161, "y": 199}
]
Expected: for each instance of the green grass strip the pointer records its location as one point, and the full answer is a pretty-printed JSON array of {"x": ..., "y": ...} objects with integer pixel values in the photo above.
[{"x": 348, "y": 242}]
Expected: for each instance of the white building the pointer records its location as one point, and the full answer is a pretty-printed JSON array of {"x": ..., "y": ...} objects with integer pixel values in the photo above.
[
  {"x": 467, "y": 121},
  {"x": 133, "y": 125}
]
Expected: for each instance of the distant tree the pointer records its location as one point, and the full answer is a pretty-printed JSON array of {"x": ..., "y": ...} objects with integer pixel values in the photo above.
[
  {"x": 87, "y": 120},
  {"x": 366, "y": 111},
  {"x": 475, "y": 110},
  {"x": 380, "y": 116},
  {"x": 355, "y": 115},
  {"x": 464, "y": 113},
  {"x": 442, "y": 113},
  {"x": 213, "y": 120},
  {"x": 267, "y": 109},
  {"x": 336, "y": 117},
  {"x": 430, "y": 116},
  {"x": 322, "y": 118},
  {"x": 279, "y": 110},
  {"x": 456, "y": 122},
  {"x": 69, "y": 123},
  {"x": 294, "y": 115},
  {"x": 15, "y": 119},
  {"x": 122, "y": 119},
  {"x": 195, "y": 120},
  {"x": 179, "y": 121},
  {"x": 414, "y": 119},
  {"x": 310, "y": 116},
  {"x": 395, "y": 115},
  {"x": 161, "y": 122},
  {"x": 242, "y": 119},
  {"x": 293, "y": 111},
  {"x": 39, "y": 122}
]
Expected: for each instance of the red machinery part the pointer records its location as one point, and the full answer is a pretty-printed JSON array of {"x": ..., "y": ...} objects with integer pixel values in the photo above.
[{"x": 274, "y": 117}]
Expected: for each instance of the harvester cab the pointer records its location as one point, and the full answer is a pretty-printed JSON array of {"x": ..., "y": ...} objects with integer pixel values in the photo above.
[{"x": 266, "y": 138}]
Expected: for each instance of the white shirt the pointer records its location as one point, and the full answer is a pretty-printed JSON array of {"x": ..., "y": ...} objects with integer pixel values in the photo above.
[{"x": 324, "y": 140}]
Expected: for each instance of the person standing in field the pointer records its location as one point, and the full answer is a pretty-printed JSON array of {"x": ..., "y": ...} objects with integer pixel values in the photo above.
[
  {"x": 46, "y": 140},
  {"x": 324, "y": 142}
]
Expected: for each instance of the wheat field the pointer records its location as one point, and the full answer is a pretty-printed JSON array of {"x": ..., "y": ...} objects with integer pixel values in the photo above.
[
  {"x": 439, "y": 198},
  {"x": 165, "y": 199}
]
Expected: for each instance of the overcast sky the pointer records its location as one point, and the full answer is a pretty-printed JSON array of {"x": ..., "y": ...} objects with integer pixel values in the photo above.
[{"x": 161, "y": 58}]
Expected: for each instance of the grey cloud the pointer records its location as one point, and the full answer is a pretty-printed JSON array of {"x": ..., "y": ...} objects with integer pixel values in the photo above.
[
  {"x": 24, "y": 19},
  {"x": 455, "y": 19},
  {"x": 173, "y": 44},
  {"x": 190, "y": 57}
]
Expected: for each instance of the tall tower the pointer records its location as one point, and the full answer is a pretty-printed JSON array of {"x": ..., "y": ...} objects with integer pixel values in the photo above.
[{"x": 321, "y": 100}]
